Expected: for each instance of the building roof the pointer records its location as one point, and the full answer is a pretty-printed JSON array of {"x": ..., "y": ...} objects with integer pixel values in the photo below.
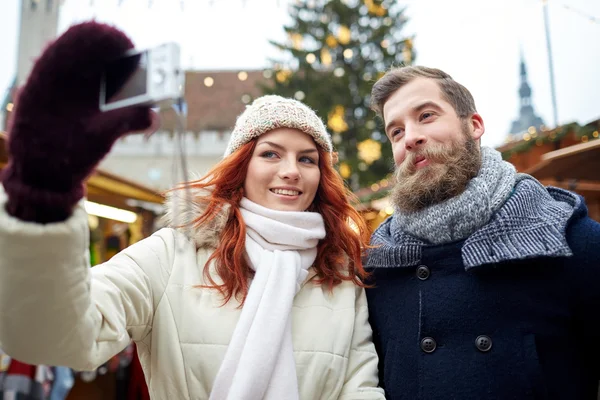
[
  {"x": 216, "y": 107},
  {"x": 211, "y": 108}
]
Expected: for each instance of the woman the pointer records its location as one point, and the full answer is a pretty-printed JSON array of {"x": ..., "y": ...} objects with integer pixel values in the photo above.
[{"x": 264, "y": 300}]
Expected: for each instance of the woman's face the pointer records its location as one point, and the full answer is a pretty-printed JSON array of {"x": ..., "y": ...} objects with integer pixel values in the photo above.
[{"x": 283, "y": 173}]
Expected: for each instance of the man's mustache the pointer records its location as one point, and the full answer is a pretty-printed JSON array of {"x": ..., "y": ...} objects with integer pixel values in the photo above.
[{"x": 433, "y": 154}]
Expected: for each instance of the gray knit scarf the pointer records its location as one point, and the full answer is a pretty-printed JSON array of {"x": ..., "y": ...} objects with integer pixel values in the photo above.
[
  {"x": 531, "y": 223},
  {"x": 458, "y": 217}
]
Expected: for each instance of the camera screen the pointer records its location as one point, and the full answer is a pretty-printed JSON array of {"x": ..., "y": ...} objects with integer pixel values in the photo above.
[{"x": 126, "y": 78}]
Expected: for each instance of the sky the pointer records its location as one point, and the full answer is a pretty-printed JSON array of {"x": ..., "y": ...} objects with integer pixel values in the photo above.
[{"x": 478, "y": 42}]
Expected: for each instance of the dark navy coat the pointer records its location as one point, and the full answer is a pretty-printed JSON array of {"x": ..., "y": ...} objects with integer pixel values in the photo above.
[{"x": 521, "y": 329}]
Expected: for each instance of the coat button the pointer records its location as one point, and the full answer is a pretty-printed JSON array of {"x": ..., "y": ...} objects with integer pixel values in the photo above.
[
  {"x": 423, "y": 272},
  {"x": 483, "y": 343},
  {"x": 428, "y": 345}
]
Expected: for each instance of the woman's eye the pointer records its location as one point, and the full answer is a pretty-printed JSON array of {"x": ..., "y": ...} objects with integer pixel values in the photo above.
[
  {"x": 269, "y": 154},
  {"x": 308, "y": 160}
]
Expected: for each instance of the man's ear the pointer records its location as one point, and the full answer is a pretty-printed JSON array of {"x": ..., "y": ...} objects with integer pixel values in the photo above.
[{"x": 478, "y": 126}]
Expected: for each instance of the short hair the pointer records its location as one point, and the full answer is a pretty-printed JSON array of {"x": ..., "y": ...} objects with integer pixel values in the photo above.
[{"x": 453, "y": 92}]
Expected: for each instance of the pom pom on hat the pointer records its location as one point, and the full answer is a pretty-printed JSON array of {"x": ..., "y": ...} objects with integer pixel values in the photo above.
[{"x": 270, "y": 112}]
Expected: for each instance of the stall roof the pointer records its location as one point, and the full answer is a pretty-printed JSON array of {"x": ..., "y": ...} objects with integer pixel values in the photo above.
[
  {"x": 104, "y": 187},
  {"x": 579, "y": 162}
]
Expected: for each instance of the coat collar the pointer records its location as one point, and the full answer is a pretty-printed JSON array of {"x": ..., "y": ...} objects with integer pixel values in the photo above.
[{"x": 183, "y": 207}]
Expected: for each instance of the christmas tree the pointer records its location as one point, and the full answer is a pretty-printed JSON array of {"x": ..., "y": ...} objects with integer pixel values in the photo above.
[{"x": 336, "y": 50}]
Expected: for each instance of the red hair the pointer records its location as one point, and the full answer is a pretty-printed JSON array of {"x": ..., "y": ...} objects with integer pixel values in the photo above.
[{"x": 339, "y": 255}]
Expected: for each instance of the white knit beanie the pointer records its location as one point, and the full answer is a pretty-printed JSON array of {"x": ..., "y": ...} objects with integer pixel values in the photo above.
[{"x": 271, "y": 112}]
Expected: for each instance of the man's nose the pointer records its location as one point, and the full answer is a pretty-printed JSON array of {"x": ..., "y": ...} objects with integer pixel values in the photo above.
[{"x": 414, "y": 138}]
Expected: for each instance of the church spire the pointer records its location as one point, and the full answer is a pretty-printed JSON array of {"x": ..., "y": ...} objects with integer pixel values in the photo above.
[{"x": 527, "y": 116}]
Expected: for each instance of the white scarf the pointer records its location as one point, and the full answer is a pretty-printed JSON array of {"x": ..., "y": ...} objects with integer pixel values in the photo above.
[{"x": 259, "y": 363}]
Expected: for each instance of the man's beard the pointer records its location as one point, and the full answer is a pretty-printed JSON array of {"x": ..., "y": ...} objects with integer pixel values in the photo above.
[{"x": 450, "y": 169}]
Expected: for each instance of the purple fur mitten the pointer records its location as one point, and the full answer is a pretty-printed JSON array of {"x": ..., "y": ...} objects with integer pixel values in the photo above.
[{"x": 58, "y": 134}]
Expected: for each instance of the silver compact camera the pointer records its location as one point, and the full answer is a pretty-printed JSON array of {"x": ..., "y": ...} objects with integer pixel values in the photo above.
[{"x": 151, "y": 77}]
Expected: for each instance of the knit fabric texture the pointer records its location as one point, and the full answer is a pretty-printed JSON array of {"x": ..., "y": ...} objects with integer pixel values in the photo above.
[
  {"x": 531, "y": 223},
  {"x": 458, "y": 217},
  {"x": 270, "y": 112},
  {"x": 57, "y": 134}
]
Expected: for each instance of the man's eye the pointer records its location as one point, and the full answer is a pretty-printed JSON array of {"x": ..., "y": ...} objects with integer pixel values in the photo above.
[
  {"x": 397, "y": 131},
  {"x": 426, "y": 115}
]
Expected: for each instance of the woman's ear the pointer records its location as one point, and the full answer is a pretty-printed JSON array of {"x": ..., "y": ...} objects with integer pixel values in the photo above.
[{"x": 334, "y": 157}]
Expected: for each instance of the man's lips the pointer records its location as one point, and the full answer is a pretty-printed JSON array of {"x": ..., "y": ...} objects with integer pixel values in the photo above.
[{"x": 421, "y": 161}]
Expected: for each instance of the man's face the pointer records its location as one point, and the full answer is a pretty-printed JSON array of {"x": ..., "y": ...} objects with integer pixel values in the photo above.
[{"x": 436, "y": 153}]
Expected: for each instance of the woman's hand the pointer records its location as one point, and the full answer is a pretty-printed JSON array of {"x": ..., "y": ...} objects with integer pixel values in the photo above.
[{"x": 57, "y": 134}]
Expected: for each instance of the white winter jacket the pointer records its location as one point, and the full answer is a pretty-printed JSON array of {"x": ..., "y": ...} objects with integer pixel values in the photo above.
[{"x": 56, "y": 310}]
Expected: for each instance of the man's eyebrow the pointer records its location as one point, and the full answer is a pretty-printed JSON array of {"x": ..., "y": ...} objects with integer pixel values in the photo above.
[{"x": 427, "y": 104}]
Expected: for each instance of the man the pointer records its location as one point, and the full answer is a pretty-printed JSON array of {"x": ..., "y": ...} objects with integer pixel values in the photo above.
[{"x": 486, "y": 283}]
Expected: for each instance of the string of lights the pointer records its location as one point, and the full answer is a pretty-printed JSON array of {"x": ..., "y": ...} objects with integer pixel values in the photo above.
[
  {"x": 591, "y": 18},
  {"x": 182, "y": 3}
]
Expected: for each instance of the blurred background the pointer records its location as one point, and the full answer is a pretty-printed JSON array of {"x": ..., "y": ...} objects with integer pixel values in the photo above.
[{"x": 531, "y": 66}]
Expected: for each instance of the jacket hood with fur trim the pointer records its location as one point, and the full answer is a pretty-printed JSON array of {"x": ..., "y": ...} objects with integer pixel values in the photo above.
[{"x": 182, "y": 208}]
